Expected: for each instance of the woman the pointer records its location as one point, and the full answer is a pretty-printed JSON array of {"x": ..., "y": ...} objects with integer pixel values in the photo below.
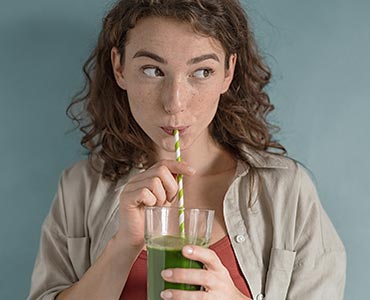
[{"x": 162, "y": 65}]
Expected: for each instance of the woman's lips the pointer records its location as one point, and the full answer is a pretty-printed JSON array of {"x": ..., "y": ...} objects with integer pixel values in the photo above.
[{"x": 170, "y": 130}]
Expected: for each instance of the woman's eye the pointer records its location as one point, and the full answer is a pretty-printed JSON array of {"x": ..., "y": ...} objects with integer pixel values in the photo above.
[
  {"x": 203, "y": 73},
  {"x": 152, "y": 71}
]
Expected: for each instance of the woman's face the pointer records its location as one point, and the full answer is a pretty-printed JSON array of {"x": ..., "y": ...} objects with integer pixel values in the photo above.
[{"x": 174, "y": 79}]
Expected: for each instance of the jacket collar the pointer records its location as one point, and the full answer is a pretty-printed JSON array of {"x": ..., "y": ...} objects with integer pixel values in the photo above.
[{"x": 259, "y": 159}]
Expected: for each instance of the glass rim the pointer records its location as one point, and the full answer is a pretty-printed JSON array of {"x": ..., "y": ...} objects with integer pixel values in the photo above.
[{"x": 147, "y": 208}]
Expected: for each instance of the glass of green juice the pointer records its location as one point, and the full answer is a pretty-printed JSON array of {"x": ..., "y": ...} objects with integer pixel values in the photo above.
[{"x": 164, "y": 242}]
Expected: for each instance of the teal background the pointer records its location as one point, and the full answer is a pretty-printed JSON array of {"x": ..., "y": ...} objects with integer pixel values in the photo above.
[{"x": 319, "y": 54}]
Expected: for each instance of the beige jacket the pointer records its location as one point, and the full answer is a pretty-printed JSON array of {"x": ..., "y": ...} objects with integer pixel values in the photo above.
[{"x": 284, "y": 242}]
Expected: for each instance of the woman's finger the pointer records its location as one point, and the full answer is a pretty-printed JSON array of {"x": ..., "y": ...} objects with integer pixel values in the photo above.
[
  {"x": 165, "y": 167},
  {"x": 140, "y": 197},
  {"x": 153, "y": 184},
  {"x": 151, "y": 179},
  {"x": 163, "y": 170},
  {"x": 188, "y": 276},
  {"x": 175, "y": 167},
  {"x": 181, "y": 295},
  {"x": 206, "y": 256}
]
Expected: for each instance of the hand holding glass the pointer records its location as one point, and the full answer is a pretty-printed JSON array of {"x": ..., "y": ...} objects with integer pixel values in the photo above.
[{"x": 164, "y": 241}]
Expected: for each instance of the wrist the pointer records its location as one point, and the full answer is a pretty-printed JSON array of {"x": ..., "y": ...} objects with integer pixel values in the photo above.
[
  {"x": 118, "y": 258},
  {"x": 118, "y": 246}
]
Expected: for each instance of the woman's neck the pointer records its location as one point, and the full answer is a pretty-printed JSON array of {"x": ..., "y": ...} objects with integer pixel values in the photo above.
[{"x": 206, "y": 156}]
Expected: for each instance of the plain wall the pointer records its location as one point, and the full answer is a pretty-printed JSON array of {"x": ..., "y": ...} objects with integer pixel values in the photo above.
[{"x": 319, "y": 55}]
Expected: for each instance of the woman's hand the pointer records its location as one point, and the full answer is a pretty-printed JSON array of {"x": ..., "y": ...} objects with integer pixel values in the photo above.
[
  {"x": 215, "y": 278},
  {"x": 156, "y": 186}
]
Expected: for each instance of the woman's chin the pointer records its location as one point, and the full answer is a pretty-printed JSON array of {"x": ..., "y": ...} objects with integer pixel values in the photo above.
[{"x": 166, "y": 149}]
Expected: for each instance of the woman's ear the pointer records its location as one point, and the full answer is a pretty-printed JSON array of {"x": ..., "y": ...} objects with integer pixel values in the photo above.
[
  {"x": 115, "y": 56},
  {"x": 229, "y": 73}
]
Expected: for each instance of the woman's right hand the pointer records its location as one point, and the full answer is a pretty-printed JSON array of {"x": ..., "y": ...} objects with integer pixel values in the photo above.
[{"x": 156, "y": 186}]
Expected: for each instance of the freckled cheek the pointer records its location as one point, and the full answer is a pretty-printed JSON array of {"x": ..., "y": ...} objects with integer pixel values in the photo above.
[
  {"x": 206, "y": 101},
  {"x": 142, "y": 101},
  {"x": 205, "y": 113}
]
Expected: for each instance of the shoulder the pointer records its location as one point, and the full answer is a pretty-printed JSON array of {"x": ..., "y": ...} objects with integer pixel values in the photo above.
[
  {"x": 82, "y": 183},
  {"x": 84, "y": 180},
  {"x": 279, "y": 182},
  {"x": 84, "y": 174},
  {"x": 289, "y": 176},
  {"x": 275, "y": 168},
  {"x": 83, "y": 170},
  {"x": 289, "y": 171}
]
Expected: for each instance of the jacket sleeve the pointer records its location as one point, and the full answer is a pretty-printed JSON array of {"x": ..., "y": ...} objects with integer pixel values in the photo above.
[
  {"x": 53, "y": 270},
  {"x": 320, "y": 263}
]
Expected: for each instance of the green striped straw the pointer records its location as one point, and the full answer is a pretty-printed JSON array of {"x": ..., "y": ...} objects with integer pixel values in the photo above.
[{"x": 180, "y": 183}]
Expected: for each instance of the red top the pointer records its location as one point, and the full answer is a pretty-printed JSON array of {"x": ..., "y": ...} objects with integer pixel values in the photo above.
[{"x": 135, "y": 287}]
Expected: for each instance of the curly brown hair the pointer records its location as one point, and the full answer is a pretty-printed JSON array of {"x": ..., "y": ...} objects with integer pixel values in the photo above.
[{"x": 109, "y": 129}]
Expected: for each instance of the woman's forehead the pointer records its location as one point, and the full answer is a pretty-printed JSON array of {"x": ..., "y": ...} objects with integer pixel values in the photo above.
[{"x": 168, "y": 35}]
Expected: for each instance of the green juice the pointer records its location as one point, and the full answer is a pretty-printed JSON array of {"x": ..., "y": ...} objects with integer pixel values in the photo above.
[{"x": 165, "y": 252}]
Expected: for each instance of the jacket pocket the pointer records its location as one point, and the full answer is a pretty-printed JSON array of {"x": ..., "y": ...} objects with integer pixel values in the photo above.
[
  {"x": 279, "y": 273},
  {"x": 79, "y": 253}
]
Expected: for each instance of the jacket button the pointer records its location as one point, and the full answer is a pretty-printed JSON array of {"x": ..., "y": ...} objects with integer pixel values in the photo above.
[
  {"x": 240, "y": 238},
  {"x": 259, "y": 297}
]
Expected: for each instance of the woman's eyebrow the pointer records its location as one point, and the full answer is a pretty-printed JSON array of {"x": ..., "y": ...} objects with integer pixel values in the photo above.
[
  {"x": 144, "y": 53},
  {"x": 195, "y": 60},
  {"x": 203, "y": 57}
]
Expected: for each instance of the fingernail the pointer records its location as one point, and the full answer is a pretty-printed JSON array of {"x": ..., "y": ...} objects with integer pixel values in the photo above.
[
  {"x": 166, "y": 273},
  {"x": 188, "y": 250},
  {"x": 166, "y": 295},
  {"x": 191, "y": 169}
]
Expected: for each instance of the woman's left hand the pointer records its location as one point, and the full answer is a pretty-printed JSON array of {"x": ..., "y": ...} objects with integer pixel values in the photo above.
[{"x": 215, "y": 278}]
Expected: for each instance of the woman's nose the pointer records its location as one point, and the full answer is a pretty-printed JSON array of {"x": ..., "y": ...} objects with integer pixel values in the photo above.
[{"x": 175, "y": 96}]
